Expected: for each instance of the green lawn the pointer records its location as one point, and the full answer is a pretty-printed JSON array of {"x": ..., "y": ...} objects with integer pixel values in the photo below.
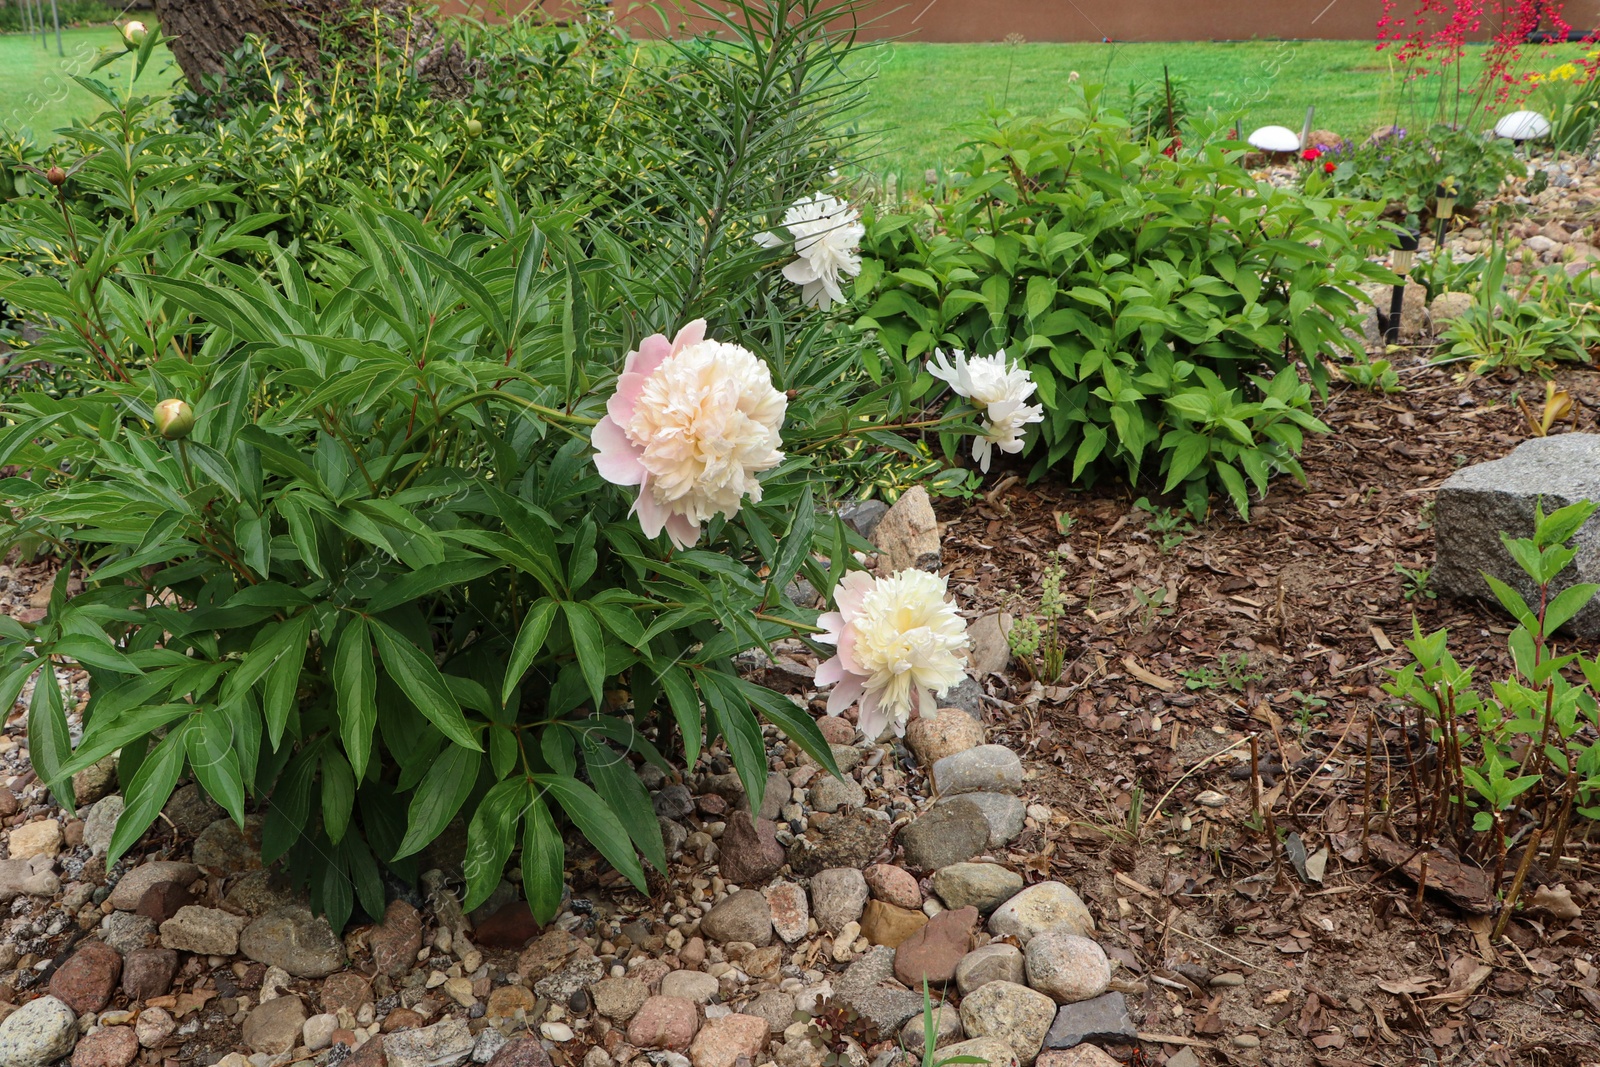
[
  {"x": 36, "y": 86},
  {"x": 921, "y": 90}
]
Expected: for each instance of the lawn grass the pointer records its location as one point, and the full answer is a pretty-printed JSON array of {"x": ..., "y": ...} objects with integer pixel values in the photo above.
[
  {"x": 920, "y": 91},
  {"x": 36, "y": 87}
]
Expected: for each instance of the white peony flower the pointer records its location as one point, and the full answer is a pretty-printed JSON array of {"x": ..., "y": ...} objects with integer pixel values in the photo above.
[
  {"x": 1000, "y": 390},
  {"x": 897, "y": 639},
  {"x": 134, "y": 33},
  {"x": 691, "y": 424},
  {"x": 827, "y": 236}
]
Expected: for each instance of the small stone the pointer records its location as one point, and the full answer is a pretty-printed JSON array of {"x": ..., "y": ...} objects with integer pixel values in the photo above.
[
  {"x": 440, "y": 1045},
  {"x": 293, "y": 938},
  {"x": 396, "y": 941},
  {"x": 853, "y": 839},
  {"x": 791, "y": 911},
  {"x": 748, "y": 853},
  {"x": 86, "y": 981},
  {"x": 838, "y": 896},
  {"x": 190, "y": 810},
  {"x": 126, "y": 932},
  {"x": 1246, "y": 1040},
  {"x": 1067, "y": 967},
  {"x": 508, "y": 929},
  {"x": 776, "y": 1007},
  {"x": 1103, "y": 1019},
  {"x": 1041, "y": 907},
  {"x": 743, "y": 916},
  {"x": 673, "y": 801},
  {"x": 721, "y": 1042},
  {"x": 100, "y": 822},
  {"x": 946, "y": 733},
  {"x": 487, "y": 1045},
  {"x": 402, "y": 1019},
  {"x": 863, "y": 516},
  {"x": 162, "y": 901},
  {"x": 557, "y": 1032},
  {"x": 203, "y": 931},
  {"x": 690, "y": 985},
  {"x": 932, "y": 953},
  {"x": 317, "y": 1034},
  {"x": 580, "y": 972},
  {"x": 908, "y": 534},
  {"x": 984, "y": 886},
  {"x": 40, "y": 1032},
  {"x": 42, "y": 838},
  {"x": 1448, "y": 307},
  {"x": 989, "y": 1051},
  {"x": 110, "y": 1046},
  {"x": 1227, "y": 980},
  {"x": 991, "y": 963},
  {"x": 148, "y": 972},
  {"x": 154, "y": 1026},
  {"x": 989, "y": 651},
  {"x": 887, "y": 925},
  {"x": 984, "y": 769},
  {"x": 552, "y": 951},
  {"x": 505, "y": 1002},
  {"x": 131, "y": 889},
  {"x": 831, "y": 794},
  {"x": 837, "y": 730},
  {"x": 345, "y": 991},
  {"x": 946, "y": 834},
  {"x": 1016, "y": 1014},
  {"x": 459, "y": 989},
  {"x": 664, "y": 1022},
  {"x": 893, "y": 885},
  {"x": 866, "y": 987},
  {"x": 1088, "y": 1056},
  {"x": 275, "y": 1026},
  {"x": 618, "y": 999},
  {"x": 1210, "y": 798},
  {"x": 947, "y": 1029},
  {"x": 521, "y": 1052},
  {"x": 225, "y": 846}
]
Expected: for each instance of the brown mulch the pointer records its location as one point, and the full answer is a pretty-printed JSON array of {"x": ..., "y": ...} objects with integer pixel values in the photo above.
[{"x": 1303, "y": 611}]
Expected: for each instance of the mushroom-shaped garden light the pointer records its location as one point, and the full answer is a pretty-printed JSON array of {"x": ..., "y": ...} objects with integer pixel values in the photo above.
[
  {"x": 1275, "y": 139},
  {"x": 1522, "y": 126}
]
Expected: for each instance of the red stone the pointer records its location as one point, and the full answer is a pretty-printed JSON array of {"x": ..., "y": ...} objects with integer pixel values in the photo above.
[
  {"x": 931, "y": 954},
  {"x": 509, "y": 928},
  {"x": 835, "y": 730},
  {"x": 148, "y": 973},
  {"x": 113, "y": 1046},
  {"x": 397, "y": 940},
  {"x": 162, "y": 901},
  {"x": 664, "y": 1022},
  {"x": 521, "y": 1052},
  {"x": 87, "y": 980}
]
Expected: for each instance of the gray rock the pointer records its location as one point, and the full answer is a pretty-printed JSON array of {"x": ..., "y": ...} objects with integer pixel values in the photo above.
[
  {"x": 989, "y": 1051},
  {"x": 837, "y": 897},
  {"x": 1414, "y": 307},
  {"x": 1448, "y": 307},
  {"x": 1478, "y": 502},
  {"x": 1104, "y": 1019},
  {"x": 224, "y": 846},
  {"x": 830, "y": 794},
  {"x": 619, "y": 999},
  {"x": 697, "y": 986},
  {"x": 1005, "y": 813},
  {"x": 984, "y": 769},
  {"x": 125, "y": 931},
  {"x": 129, "y": 891},
  {"x": 985, "y": 886},
  {"x": 908, "y": 534},
  {"x": 999, "y": 962},
  {"x": 190, "y": 811},
  {"x": 19, "y": 878},
  {"x": 1066, "y": 967},
  {"x": 775, "y": 797},
  {"x": 947, "y": 1029},
  {"x": 673, "y": 801},
  {"x": 945, "y": 834},
  {"x": 258, "y": 893},
  {"x": 40, "y": 1032},
  {"x": 99, "y": 824},
  {"x": 579, "y": 973},
  {"x": 775, "y": 1007},
  {"x": 296, "y": 940},
  {"x": 1041, "y": 907},
  {"x": 967, "y": 695},
  {"x": 204, "y": 931},
  {"x": 673, "y": 835},
  {"x": 868, "y": 986},
  {"x": 95, "y": 781},
  {"x": 850, "y": 840},
  {"x": 276, "y": 1026},
  {"x": 990, "y": 652},
  {"x": 443, "y": 1044},
  {"x": 489, "y": 1042},
  {"x": 1014, "y": 1013},
  {"x": 863, "y": 516},
  {"x": 743, "y": 916}
]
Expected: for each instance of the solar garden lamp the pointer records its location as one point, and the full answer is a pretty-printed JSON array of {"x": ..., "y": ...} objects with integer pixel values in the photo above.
[
  {"x": 1403, "y": 258},
  {"x": 1444, "y": 206}
]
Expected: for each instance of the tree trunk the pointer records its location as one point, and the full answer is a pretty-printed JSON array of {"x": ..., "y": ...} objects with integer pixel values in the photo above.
[{"x": 206, "y": 32}]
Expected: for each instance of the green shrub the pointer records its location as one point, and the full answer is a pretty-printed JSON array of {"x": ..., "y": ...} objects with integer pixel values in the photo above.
[
  {"x": 1523, "y": 324},
  {"x": 1404, "y": 170},
  {"x": 1156, "y": 300},
  {"x": 381, "y": 583},
  {"x": 70, "y": 11}
]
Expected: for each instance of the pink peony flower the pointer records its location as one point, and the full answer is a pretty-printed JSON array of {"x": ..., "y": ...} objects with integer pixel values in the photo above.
[
  {"x": 691, "y": 424},
  {"x": 897, "y": 639}
]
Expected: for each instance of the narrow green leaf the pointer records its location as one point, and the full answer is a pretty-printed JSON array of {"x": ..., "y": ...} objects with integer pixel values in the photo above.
[
  {"x": 490, "y": 837},
  {"x": 419, "y": 679},
  {"x": 355, "y": 683},
  {"x": 589, "y": 643},
  {"x": 543, "y": 859},
  {"x": 530, "y": 640},
  {"x": 599, "y": 824},
  {"x": 148, "y": 792},
  {"x": 443, "y": 790}
]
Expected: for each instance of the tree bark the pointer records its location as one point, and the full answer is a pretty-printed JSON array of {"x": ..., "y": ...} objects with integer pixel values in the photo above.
[{"x": 206, "y": 32}]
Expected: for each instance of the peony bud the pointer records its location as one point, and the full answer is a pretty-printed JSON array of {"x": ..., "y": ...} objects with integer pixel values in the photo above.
[
  {"x": 474, "y": 128},
  {"x": 174, "y": 419},
  {"x": 134, "y": 33},
  {"x": 56, "y": 176}
]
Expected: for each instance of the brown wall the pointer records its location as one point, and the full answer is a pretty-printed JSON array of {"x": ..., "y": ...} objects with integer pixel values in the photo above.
[{"x": 1080, "y": 20}]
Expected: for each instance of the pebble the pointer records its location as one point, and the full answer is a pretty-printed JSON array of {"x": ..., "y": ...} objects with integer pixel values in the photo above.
[
  {"x": 998, "y": 962},
  {"x": 109, "y": 1046},
  {"x": 1018, "y": 1015},
  {"x": 276, "y": 1026},
  {"x": 984, "y": 769},
  {"x": 742, "y": 916},
  {"x": 131, "y": 889},
  {"x": 948, "y": 833},
  {"x": 154, "y": 1026},
  {"x": 557, "y": 1032},
  {"x": 791, "y": 910},
  {"x": 838, "y": 896},
  {"x": 893, "y": 885},
  {"x": 1067, "y": 967},
  {"x": 1246, "y": 1040},
  {"x": 947, "y": 733},
  {"x": 204, "y": 931},
  {"x": 724, "y": 1041},
  {"x": 1004, "y": 812},
  {"x": 984, "y": 886},
  {"x": 1040, "y": 907},
  {"x": 41, "y": 1031},
  {"x": 293, "y": 938},
  {"x": 41, "y": 838}
]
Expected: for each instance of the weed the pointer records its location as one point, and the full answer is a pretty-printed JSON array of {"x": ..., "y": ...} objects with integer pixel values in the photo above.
[
  {"x": 1167, "y": 526},
  {"x": 1414, "y": 583},
  {"x": 1152, "y": 606},
  {"x": 1036, "y": 639}
]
